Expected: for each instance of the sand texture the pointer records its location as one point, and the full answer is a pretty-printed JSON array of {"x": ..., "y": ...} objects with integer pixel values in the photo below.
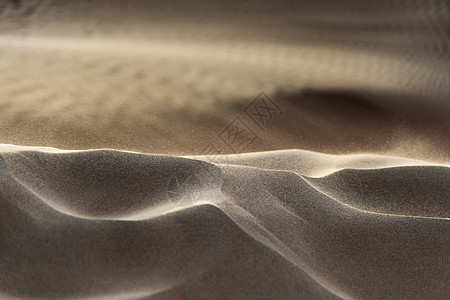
[
  {"x": 123, "y": 176},
  {"x": 286, "y": 224}
]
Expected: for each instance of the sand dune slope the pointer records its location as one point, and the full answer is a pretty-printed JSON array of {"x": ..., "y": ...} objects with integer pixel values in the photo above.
[
  {"x": 167, "y": 76},
  {"x": 367, "y": 81},
  {"x": 273, "y": 225}
]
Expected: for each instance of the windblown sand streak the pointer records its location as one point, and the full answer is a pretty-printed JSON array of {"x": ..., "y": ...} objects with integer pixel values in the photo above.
[
  {"x": 75, "y": 236},
  {"x": 74, "y": 77}
]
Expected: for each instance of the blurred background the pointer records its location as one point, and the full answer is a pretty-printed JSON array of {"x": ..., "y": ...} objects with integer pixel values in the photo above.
[{"x": 172, "y": 77}]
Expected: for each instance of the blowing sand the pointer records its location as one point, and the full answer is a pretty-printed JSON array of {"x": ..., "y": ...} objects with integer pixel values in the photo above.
[
  {"x": 168, "y": 77},
  {"x": 120, "y": 176}
]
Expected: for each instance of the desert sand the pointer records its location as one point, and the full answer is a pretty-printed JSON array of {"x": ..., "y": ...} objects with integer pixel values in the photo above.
[
  {"x": 270, "y": 225},
  {"x": 224, "y": 149}
]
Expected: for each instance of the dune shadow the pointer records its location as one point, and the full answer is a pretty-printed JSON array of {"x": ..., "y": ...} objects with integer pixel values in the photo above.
[{"x": 338, "y": 102}]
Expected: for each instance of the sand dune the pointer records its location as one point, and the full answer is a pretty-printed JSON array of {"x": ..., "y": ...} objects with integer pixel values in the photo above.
[
  {"x": 338, "y": 189},
  {"x": 106, "y": 223},
  {"x": 154, "y": 77}
]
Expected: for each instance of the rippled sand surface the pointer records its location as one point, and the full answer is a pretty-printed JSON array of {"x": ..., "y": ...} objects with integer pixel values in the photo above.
[{"x": 123, "y": 176}]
